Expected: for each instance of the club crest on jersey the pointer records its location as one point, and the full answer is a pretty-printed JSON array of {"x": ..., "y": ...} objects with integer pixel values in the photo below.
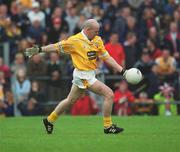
[
  {"x": 96, "y": 44},
  {"x": 91, "y": 55}
]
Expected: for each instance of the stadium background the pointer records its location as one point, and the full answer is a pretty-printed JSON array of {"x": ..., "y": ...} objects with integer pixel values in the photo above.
[{"x": 143, "y": 34}]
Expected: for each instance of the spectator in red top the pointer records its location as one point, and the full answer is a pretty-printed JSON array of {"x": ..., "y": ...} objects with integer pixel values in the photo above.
[
  {"x": 115, "y": 49},
  {"x": 122, "y": 99},
  {"x": 153, "y": 51},
  {"x": 85, "y": 105},
  {"x": 5, "y": 69}
]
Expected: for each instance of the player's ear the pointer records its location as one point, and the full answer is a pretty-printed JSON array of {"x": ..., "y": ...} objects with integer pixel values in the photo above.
[{"x": 88, "y": 28}]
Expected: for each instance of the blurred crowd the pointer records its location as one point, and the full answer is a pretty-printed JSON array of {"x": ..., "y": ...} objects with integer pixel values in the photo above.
[{"x": 144, "y": 34}]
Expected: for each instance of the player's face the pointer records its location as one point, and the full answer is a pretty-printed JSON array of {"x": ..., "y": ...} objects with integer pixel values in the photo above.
[{"x": 93, "y": 32}]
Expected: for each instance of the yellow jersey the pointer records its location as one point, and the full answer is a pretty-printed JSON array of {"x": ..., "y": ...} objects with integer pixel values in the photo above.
[{"x": 84, "y": 53}]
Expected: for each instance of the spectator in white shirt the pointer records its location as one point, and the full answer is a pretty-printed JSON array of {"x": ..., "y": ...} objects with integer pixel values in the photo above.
[
  {"x": 72, "y": 19},
  {"x": 36, "y": 14}
]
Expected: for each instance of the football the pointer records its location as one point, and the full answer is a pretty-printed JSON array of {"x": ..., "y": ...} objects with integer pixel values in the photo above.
[{"x": 133, "y": 76}]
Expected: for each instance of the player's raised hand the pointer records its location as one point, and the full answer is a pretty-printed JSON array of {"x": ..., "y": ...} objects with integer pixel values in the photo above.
[{"x": 29, "y": 52}]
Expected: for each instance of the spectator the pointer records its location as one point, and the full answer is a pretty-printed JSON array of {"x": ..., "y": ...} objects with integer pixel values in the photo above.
[
  {"x": 36, "y": 14},
  {"x": 131, "y": 25},
  {"x": 85, "y": 105},
  {"x": 150, "y": 81},
  {"x": 147, "y": 21},
  {"x": 72, "y": 19},
  {"x": 165, "y": 97},
  {"x": 5, "y": 69},
  {"x": 21, "y": 89},
  {"x": 166, "y": 66},
  {"x": 5, "y": 23},
  {"x": 87, "y": 9},
  {"x": 55, "y": 68},
  {"x": 7, "y": 106},
  {"x": 3, "y": 15},
  {"x": 69, "y": 4},
  {"x": 57, "y": 13},
  {"x": 145, "y": 63},
  {"x": 36, "y": 93},
  {"x": 97, "y": 13},
  {"x": 176, "y": 19},
  {"x": 55, "y": 89},
  {"x": 170, "y": 7},
  {"x": 122, "y": 99},
  {"x": 44, "y": 39},
  {"x": 155, "y": 36},
  {"x": 32, "y": 106},
  {"x": 104, "y": 4},
  {"x": 78, "y": 27},
  {"x": 19, "y": 63},
  {"x": 56, "y": 29},
  {"x": 55, "y": 64},
  {"x": 130, "y": 49},
  {"x": 152, "y": 49},
  {"x": 172, "y": 41},
  {"x": 116, "y": 50},
  {"x": 12, "y": 31},
  {"x": 143, "y": 104},
  {"x": 145, "y": 4},
  {"x": 22, "y": 45},
  {"x": 47, "y": 9},
  {"x": 120, "y": 22},
  {"x": 105, "y": 30},
  {"x": 112, "y": 10},
  {"x": 36, "y": 66},
  {"x": 19, "y": 17},
  {"x": 35, "y": 31}
]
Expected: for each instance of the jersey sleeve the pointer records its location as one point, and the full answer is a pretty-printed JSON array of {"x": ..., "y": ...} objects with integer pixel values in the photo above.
[
  {"x": 64, "y": 46},
  {"x": 102, "y": 53}
]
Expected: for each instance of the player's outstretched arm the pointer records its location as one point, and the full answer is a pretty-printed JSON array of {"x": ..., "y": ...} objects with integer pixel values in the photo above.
[
  {"x": 113, "y": 64},
  {"x": 29, "y": 52}
]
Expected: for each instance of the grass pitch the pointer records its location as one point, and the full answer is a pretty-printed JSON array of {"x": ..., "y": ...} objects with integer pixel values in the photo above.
[{"x": 85, "y": 134}]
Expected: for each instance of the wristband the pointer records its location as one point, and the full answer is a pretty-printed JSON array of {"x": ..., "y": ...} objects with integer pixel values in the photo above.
[
  {"x": 40, "y": 49},
  {"x": 122, "y": 71}
]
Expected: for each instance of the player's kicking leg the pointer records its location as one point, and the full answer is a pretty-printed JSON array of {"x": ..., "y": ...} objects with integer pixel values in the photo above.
[
  {"x": 101, "y": 89},
  {"x": 74, "y": 94}
]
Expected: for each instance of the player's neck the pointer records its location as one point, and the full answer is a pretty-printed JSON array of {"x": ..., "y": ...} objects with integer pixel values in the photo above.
[{"x": 85, "y": 35}]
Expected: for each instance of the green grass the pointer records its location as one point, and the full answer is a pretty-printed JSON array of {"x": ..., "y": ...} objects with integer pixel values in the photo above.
[{"x": 84, "y": 134}]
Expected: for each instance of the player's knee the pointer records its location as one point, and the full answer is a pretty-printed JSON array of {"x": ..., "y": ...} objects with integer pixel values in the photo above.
[{"x": 71, "y": 100}]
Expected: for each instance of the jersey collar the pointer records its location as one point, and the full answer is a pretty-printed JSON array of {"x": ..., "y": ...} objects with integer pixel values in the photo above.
[{"x": 84, "y": 35}]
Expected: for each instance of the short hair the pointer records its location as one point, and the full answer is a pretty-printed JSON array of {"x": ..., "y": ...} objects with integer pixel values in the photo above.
[{"x": 89, "y": 23}]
